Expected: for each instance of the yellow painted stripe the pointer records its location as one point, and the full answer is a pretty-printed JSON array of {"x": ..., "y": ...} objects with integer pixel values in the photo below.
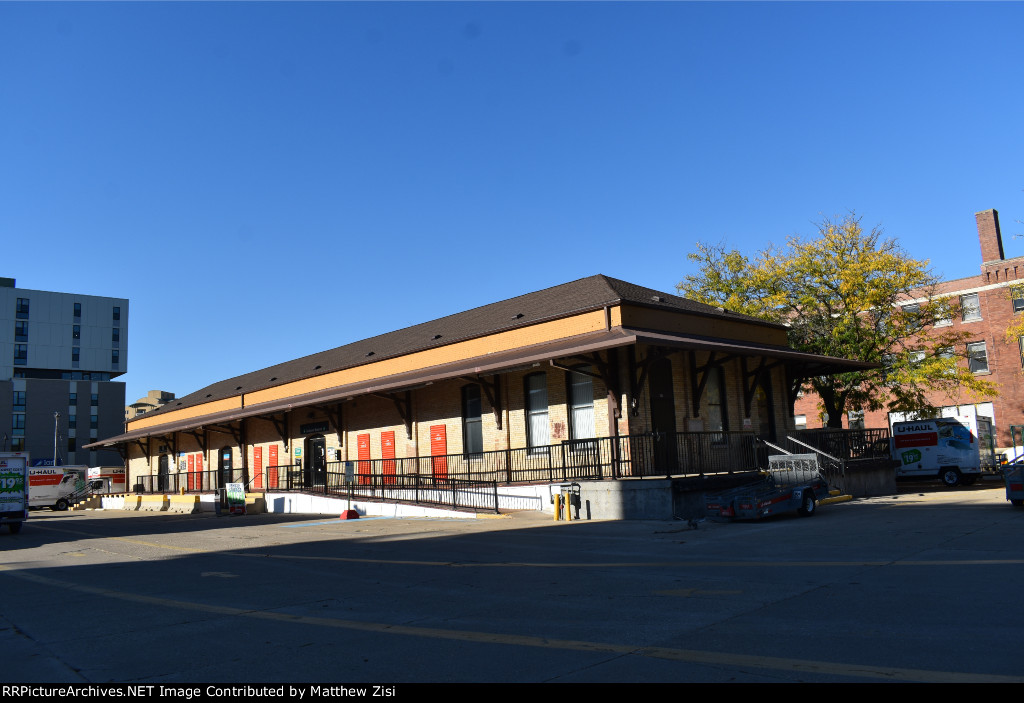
[{"x": 691, "y": 656}]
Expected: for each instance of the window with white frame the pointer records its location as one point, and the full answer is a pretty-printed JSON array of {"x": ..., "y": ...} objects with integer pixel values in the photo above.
[
  {"x": 970, "y": 307},
  {"x": 581, "y": 406},
  {"x": 977, "y": 357},
  {"x": 536, "y": 395}
]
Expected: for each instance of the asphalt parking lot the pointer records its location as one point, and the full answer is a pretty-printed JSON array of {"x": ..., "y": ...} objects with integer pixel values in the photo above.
[{"x": 914, "y": 587}]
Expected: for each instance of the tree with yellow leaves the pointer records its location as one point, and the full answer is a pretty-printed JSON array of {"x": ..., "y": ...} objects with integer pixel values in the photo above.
[{"x": 850, "y": 294}]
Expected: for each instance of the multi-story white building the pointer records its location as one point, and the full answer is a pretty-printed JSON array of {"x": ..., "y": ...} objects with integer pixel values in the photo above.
[{"x": 58, "y": 355}]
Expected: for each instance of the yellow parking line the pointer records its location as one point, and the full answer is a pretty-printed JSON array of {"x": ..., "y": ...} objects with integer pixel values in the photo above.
[{"x": 691, "y": 656}]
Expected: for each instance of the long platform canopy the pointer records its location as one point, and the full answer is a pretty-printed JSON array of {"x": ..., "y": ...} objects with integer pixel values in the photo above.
[{"x": 805, "y": 365}]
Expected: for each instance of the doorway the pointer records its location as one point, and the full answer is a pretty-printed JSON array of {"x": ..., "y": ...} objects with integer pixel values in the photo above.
[
  {"x": 225, "y": 470},
  {"x": 315, "y": 471},
  {"x": 663, "y": 416}
]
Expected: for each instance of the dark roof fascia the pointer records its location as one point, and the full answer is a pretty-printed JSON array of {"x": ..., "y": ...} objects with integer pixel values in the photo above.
[
  {"x": 723, "y": 315},
  {"x": 830, "y": 363}
]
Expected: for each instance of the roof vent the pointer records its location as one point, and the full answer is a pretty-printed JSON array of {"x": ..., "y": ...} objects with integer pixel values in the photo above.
[
  {"x": 437, "y": 336},
  {"x": 720, "y": 309},
  {"x": 317, "y": 367},
  {"x": 657, "y": 299},
  {"x": 369, "y": 353},
  {"x": 238, "y": 388},
  {"x": 208, "y": 395},
  {"x": 517, "y": 316},
  {"x": 273, "y": 378}
]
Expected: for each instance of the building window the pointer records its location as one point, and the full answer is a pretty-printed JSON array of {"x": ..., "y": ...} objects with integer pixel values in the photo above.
[
  {"x": 75, "y": 353},
  {"x": 94, "y": 399},
  {"x": 21, "y": 310},
  {"x": 977, "y": 357},
  {"x": 72, "y": 420},
  {"x": 115, "y": 337},
  {"x": 115, "y": 357},
  {"x": 19, "y": 399},
  {"x": 581, "y": 406},
  {"x": 912, "y": 314},
  {"x": 472, "y": 427},
  {"x": 20, "y": 354},
  {"x": 21, "y": 331},
  {"x": 855, "y": 418},
  {"x": 18, "y": 444},
  {"x": 117, "y": 313},
  {"x": 94, "y": 421},
  {"x": 718, "y": 417},
  {"x": 72, "y": 399},
  {"x": 18, "y": 423},
  {"x": 76, "y": 332},
  {"x": 71, "y": 444},
  {"x": 916, "y": 357},
  {"x": 970, "y": 308},
  {"x": 1017, "y": 295},
  {"x": 537, "y": 430},
  {"x": 78, "y": 311}
]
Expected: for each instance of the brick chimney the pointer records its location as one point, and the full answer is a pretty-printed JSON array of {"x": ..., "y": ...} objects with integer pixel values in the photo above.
[{"x": 988, "y": 234}]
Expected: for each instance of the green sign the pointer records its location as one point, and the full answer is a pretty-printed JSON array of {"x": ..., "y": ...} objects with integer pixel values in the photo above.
[
  {"x": 911, "y": 457},
  {"x": 236, "y": 498},
  {"x": 12, "y": 481}
]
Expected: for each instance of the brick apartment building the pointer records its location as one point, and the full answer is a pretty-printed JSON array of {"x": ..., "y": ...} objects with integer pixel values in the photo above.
[{"x": 989, "y": 302}]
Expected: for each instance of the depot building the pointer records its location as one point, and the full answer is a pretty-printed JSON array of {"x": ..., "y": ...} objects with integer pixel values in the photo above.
[{"x": 639, "y": 381}]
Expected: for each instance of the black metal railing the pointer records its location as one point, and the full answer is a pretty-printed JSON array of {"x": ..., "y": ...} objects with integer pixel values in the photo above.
[
  {"x": 633, "y": 456},
  {"x": 848, "y": 444}
]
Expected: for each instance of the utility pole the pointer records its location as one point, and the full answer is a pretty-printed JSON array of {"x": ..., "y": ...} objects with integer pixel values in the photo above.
[{"x": 56, "y": 424}]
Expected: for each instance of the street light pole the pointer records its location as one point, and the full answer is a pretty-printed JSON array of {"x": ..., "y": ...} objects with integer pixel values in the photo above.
[{"x": 56, "y": 422}]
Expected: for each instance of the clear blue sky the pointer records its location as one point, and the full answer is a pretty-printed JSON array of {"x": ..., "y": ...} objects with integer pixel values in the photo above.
[{"x": 265, "y": 180}]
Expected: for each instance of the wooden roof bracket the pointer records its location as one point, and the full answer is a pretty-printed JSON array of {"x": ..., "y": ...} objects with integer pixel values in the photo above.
[
  {"x": 199, "y": 435},
  {"x": 492, "y": 391},
  {"x": 699, "y": 375},
  {"x": 653, "y": 354},
  {"x": 751, "y": 380}
]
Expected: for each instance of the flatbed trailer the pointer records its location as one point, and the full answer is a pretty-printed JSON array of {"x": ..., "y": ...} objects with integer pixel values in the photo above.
[{"x": 793, "y": 482}]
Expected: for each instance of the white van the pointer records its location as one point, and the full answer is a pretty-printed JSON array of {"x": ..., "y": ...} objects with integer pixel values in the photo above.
[{"x": 943, "y": 448}]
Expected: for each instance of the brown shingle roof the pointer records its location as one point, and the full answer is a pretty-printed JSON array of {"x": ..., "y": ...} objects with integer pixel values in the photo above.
[{"x": 593, "y": 292}]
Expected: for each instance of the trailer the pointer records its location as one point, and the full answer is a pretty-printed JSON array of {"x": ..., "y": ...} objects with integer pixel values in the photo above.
[
  {"x": 793, "y": 482},
  {"x": 13, "y": 490}
]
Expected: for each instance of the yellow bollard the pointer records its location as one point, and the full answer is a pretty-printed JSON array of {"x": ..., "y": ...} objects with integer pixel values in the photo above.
[
  {"x": 558, "y": 507},
  {"x": 568, "y": 506}
]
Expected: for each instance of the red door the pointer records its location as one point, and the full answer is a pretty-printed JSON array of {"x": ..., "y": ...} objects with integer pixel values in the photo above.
[
  {"x": 257, "y": 467},
  {"x": 272, "y": 468},
  {"x": 387, "y": 453},
  {"x": 439, "y": 450},
  {"x": 191, "y": 472},
  {"x": 363, "y": 446}
]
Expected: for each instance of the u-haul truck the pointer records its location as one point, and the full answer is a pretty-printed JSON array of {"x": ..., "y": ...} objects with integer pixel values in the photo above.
[
  {"x": 55, "y": 487},
  {"x": 943, "y": 448}
]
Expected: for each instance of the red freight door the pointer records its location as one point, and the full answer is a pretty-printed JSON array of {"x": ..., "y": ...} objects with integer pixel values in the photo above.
[
  {"x": 387, "y": 453},
  {"x": 272, "y": 468},
  {"x": 257, "y": 467},
  {"x": 199, "y": 472},
  {"x": 191, "y": 472},
  {"x": 363, "y": 446},
  {"x": 439, "y": 451}
]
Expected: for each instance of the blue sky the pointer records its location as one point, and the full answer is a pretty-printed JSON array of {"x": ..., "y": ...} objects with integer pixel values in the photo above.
[{"x": 268, "y": 180}]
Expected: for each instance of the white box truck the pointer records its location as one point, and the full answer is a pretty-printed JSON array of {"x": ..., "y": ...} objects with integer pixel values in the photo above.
[
  {"x": 945, "y": 448},
  {"x": 13, "y": 489},
  {"x": 55, "y": 487}
]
